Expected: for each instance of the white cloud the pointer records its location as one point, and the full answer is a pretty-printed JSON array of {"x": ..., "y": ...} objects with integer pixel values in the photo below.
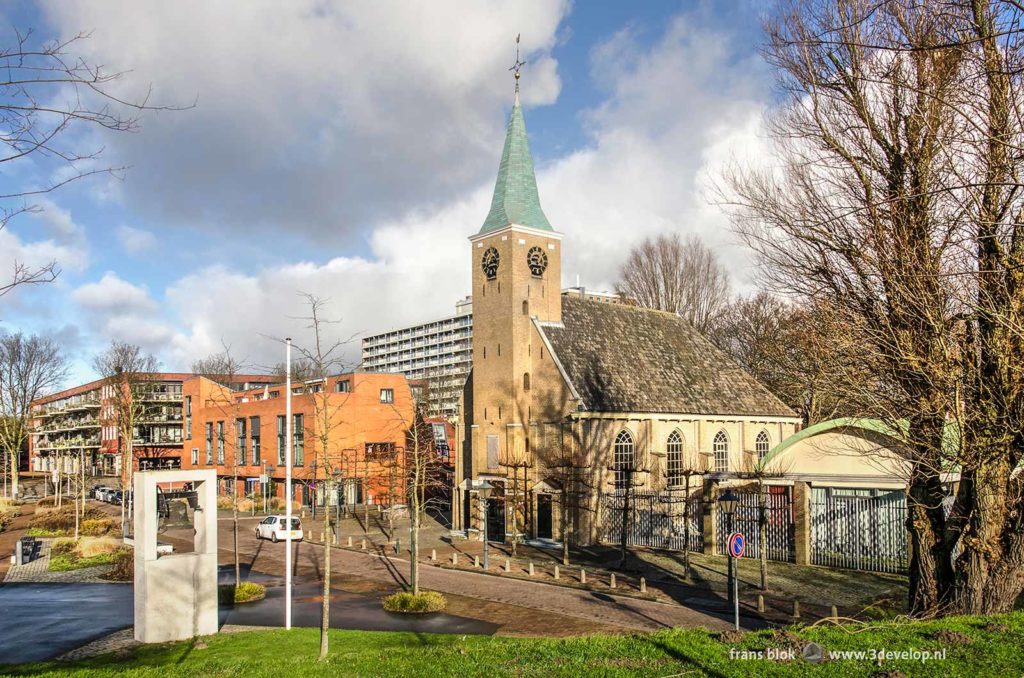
[
  {"x": 112, "y": 295},
  {"x": 323, "y": 116},
  {"x": 135, "y": 240}
]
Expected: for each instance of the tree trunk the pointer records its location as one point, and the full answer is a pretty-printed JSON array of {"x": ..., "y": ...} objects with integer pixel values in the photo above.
[
  {"x": 325, "y": 610},
  {"x": 762, "y": 536},
  {"x": 14, "y": 472},
  {"x": 565, "y": 528},
  {"x": 686, "y": 524},
  {"x": 234, "y": 529},
  {"x": 414, "y": 546}
]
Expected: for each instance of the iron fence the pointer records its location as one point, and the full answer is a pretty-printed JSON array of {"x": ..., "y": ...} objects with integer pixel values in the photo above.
[
  {"x": 779, "y": 530},
  {"x": 859, "y": 529},
  {"x": 656, "y": 519}
]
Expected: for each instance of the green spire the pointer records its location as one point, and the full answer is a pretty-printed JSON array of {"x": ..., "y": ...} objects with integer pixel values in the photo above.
[{"x": 515, "y": 198}]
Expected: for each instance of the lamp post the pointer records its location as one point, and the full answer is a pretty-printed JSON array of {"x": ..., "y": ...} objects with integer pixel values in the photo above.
[
  {"x": 484, "y": 491},
  {"x": 727, "y": 501}
]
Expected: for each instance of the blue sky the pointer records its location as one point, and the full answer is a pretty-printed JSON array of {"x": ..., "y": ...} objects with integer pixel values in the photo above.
[{"x": 349, "y": 150}]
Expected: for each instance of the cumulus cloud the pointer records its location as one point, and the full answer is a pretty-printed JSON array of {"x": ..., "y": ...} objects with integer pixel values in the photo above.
[
  {"x": 135, "y": 240},
  {"x": 111, "y": 294},
  {"x": 320, "y": 117}
]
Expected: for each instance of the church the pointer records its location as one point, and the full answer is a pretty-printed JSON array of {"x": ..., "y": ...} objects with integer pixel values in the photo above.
[{"x": 571, "y": 399}]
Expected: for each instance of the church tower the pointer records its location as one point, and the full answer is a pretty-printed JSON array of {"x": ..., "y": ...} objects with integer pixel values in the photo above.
[{"x": 516, "y": 263}]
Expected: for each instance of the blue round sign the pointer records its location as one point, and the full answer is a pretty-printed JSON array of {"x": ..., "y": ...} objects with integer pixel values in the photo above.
[{"x": 737, "y": 544}]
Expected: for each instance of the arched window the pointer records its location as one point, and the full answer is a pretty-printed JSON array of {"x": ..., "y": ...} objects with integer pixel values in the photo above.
[
  {"x": 526, "y": 381},
  {"x": 720, "y": 447},
  {"x": 526, "y": 308},
  {"x": 762, "y": 444},
  {"x": 674, "y": 447},
  {"x": 622, "y": 458}
]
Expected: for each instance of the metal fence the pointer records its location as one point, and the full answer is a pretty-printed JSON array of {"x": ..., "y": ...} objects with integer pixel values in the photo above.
[
  {"x": 780, "y": 531},
  {"x": 656, "y": 519},
  {"x": 859, "y": 529}
]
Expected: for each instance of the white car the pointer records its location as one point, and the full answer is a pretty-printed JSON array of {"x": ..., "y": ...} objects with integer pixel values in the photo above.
[{"x": 275, "y": 529}]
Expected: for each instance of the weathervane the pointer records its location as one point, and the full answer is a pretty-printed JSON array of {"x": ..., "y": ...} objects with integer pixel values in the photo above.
[{"x": 518, "y": 64}]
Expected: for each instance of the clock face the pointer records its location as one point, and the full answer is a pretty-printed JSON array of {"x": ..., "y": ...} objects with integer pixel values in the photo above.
[
  {"x": 537, "y": 260},
  {"x": 489, "y": 263}
]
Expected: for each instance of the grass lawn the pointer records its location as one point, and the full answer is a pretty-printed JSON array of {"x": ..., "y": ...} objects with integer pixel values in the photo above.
[
  {"x": 65, "y": 562},
  {"x": 975, "y": 646}
]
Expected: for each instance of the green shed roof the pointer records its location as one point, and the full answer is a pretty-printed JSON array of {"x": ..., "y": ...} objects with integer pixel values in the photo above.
[{"x": 515, "y": 198}]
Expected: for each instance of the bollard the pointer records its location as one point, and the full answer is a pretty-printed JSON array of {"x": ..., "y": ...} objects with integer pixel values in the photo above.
[
  {"x": 583, "y": 576},
  {"x": 508, "y": 565},
  {"x": 455, "y": 559},
  {"x": 362, "y": 544},
  {"x": 760, "y": 603},
  {"x": 530, "y": 569},
  {"x": 476, "y": 561},
  {"x": 556, "y": 571},
  {"x": 611, "y": 581},
  {"x": 433, "y": 555},
  {"x": 643, "y": 585},
  {"x": 350, "y": 542},
  {"x": 835, "y": 612},
  {"x": 796, "y": 609}
]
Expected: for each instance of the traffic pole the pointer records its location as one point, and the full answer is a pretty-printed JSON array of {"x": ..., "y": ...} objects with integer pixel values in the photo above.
[{"x": 736, "y": 593}]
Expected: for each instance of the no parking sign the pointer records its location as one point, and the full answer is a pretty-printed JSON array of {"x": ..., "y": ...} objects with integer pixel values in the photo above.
[{"x": 737, "y": 544}]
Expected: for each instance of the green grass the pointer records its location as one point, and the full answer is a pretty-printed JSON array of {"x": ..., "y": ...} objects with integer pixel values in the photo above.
[
  {"x": 65, "y": 562},
  {"x": 43, "y": 532},
  {"x": 992, "y": 650}
]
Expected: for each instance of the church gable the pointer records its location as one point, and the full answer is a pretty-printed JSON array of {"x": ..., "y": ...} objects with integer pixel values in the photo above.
[{"x": 621, "y": 358}]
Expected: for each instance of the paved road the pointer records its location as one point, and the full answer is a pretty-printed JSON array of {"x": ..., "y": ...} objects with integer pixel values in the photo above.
[
  {"x": 41, "y": 621},
  {"x": 605, "y": 609}
]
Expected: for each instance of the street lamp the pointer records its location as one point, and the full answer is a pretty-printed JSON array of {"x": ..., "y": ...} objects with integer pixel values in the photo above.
[
  {"x": 727, "y": 502},
  {"x": 484, "y": 491}
]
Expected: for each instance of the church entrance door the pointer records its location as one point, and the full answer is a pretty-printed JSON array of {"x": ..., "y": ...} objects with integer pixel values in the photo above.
[{"x": 544, "y": 516}]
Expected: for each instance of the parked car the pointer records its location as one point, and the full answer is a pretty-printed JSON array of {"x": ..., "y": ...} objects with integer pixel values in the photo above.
[
  {"x": 116, "y": 497},
  {"x": 274, "y": 528},
  {"x": 103, "y": 493},
  {"x": 97, "y": 492}
]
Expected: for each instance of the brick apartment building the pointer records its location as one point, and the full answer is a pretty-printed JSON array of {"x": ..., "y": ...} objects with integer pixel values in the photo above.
[
  {"x": 78, "y": 426},
  {"x": 370, "y": 414}
]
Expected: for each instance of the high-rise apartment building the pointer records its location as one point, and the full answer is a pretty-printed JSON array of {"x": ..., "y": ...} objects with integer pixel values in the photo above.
[{"x": 439, "y": 353}]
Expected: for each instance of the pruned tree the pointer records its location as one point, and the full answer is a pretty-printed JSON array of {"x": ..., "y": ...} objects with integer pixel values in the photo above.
[
  {"x": 566, "y": 464},
  {"x": 629, "y": 471},
  {"x": 425, "y": 483},
  {"x": 30, "y": 368},
  {"x": 49, "y": 96},
  {"x": 517, "y": 461},
  {"x": 894, "y": 199},
  {"x": 668, "y": 273},
  {"x": 127, "y": 373}
]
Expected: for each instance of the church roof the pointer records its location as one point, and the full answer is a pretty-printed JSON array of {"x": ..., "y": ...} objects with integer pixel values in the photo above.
[
  {"x": 628, "y": 359},
  {"x": 515, "y": 198}
]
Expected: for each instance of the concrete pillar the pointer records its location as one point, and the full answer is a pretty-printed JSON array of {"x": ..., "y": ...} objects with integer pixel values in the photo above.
[{"x": 802, "y": 522}]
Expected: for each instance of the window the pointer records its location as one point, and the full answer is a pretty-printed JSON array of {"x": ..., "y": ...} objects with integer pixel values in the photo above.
[
  {"x": 526, "y": 308},
  {"x": 188, "y": 418},
  {"x": 316, "y": 388},
  {"x": 296, "y": 390},
  {"x": 280, "y": 440},
  {"x": 195, "y": 456},
  {"x": 762, "y": 444},
  {"x": 298, "y": 440},
  {"x": 622, "y": 458},
  {"x": 240, "y": 441},
  {"x": 492, "y": 451},
  {"x": 254, "y": 435},
  {"x": 343, "y": 386},
  {"x": 220, "y": 443},
  {"x": 526, "y": 381},
  {"x": 720, "y": 447},
  {"x": 387, "y": 395},
  {"x": 674, "y": 447},
  {"x": 209, "y": 443},
  {"x": 380, "y": 451}
]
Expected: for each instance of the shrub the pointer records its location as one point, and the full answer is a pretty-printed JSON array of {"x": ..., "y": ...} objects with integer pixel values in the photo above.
[
  {"x": 62, "y": 520},
  {"x": 98, "y": 527},
  {"x": 224, "y": 502},
  {"x": 62, "y": 547},
  {"x": 246, "y": 592},
  {"x": 244, "y": 505},
  {"x": 46, "y": 501},
  {"x": 408, "y": 603},
  {"x": 95, "y": 546},
  {"x": 123, "y": 561}
]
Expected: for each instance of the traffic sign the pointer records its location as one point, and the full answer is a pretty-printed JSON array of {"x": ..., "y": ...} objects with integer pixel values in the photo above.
[{"x": 737, "y": 544}]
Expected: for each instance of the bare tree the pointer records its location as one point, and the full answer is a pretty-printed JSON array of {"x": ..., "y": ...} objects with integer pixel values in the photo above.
[
  {"x": 894, "y": 199},
  {"x": 127, "y": 373},
  {"x": 47, "y": 92},
  {"x": 425, "y": 481},
  {"x": 302, "y": 370},
  {"x": 325, "y": 358},
  {"x": 30, "y": 368},
  {"x": 221, "y": 367},
  {"x": 680, "y": 276},
  {"x": 517, "y": 460},
  {"x": 565, "y": 463}
]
